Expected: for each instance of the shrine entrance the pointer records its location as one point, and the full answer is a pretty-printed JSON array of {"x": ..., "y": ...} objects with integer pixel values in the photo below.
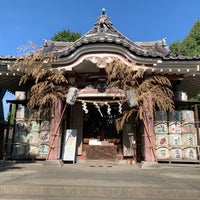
[{"x": 100, "y": 137}]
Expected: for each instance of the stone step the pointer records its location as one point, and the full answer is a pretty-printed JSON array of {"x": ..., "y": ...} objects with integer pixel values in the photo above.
[
  {"x": 60, "y": 192},
  {"x": 25, "y": 197}
]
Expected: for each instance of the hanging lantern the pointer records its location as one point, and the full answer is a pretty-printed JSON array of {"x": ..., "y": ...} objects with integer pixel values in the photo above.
[
  {"x": 72, "y": 95},
  {"x": 20, "y": 95},
  {"x": 131, "y": 98}
]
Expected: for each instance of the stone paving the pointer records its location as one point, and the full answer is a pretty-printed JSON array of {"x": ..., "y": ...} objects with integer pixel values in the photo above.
[{"x": 95, "y": 181}]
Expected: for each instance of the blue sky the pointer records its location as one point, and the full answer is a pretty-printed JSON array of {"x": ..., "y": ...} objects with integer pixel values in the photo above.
[{"x": 139, "y": 20}]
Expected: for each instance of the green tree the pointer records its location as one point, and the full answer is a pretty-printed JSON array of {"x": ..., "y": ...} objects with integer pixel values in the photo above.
[
  {"x": 66, "y": 36},
  {"x": 190, "y": 46},
  {"x": 175, "y": 47}
]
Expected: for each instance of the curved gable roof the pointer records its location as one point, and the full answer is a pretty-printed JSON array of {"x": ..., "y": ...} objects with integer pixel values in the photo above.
[{"x": 104, "y": 32}]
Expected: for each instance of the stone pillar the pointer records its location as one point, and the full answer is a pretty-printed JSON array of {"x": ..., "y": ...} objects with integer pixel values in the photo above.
[{"x": 55, "y": 133}]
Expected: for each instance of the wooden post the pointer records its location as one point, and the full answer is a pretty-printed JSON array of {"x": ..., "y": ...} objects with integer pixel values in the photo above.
[
  {"x": 1, "y": 140},
  {"x": 2, "y": 121},
  {"x": 2, "y": 93},
  {"x": 149, "y": 138},
  {"x": 197, "y": 123},
  {"x": 7, "y": 131},
  {"x": 55, "y": 136}
]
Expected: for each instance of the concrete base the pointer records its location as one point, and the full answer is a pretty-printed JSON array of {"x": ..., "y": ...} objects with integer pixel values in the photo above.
[
  {"x": 149, "y": 165},
  {"x": 81, "y": 161},
  {"x": 53, "y": 163},
  {"x": 127, "y": 162}
]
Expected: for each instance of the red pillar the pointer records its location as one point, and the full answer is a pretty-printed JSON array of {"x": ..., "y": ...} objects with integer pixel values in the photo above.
[{"x": 55, "y": 133}]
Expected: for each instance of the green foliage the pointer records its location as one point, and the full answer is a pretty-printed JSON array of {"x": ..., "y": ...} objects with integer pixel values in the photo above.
[
  {"x": 190, "y": 46},
  {"x": 66, "y": 36},
  {"x": 195, "y": 32},
  {"x": 176, "y": 47},
  {"x": 196, "y": 98},
  {"x": 11, "y": 115}
]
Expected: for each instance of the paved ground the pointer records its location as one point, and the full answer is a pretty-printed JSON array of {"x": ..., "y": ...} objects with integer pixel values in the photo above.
[{"x": 97, "y": 181}]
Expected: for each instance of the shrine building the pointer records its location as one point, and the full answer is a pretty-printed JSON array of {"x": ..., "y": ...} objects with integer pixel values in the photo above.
[{"x": 86, "y": 130}]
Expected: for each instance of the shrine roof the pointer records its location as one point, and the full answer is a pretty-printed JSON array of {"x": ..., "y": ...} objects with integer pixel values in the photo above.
[{"x": 104, "y": 32}]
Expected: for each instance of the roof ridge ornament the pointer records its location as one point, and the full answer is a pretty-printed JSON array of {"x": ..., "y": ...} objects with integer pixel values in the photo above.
[
  {"x": 103, "y": 12},
  {"x": 103, "y": 22}
]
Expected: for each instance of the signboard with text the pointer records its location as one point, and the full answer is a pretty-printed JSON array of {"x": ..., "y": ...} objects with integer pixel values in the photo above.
[{"x": 69, "y": 148}]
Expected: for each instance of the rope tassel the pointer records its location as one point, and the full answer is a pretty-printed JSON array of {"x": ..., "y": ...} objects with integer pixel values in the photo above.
[
  {"x": 98, "y": 107},
  {"x": 84, "y": 106},
  {"x": 120, "y": 108},
  {"x": 108, "y": 108}
]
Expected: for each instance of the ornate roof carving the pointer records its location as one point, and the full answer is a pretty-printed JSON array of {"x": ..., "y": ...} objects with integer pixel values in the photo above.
[{"x": 103, "y": 25}]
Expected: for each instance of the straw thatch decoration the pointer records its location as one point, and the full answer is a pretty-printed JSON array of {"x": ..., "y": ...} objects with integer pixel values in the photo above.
[
  {"x": 49, "y": 85},
  {"x": 152, "y": 92},
  {"x": 154, "y": 89}
]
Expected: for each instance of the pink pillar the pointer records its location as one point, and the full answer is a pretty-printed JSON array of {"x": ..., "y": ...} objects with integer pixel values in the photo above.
[
  {"x": 149, "y": 138},
  {"x": 149, "y": 142},
  {"x": 55, "y": 136}
]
